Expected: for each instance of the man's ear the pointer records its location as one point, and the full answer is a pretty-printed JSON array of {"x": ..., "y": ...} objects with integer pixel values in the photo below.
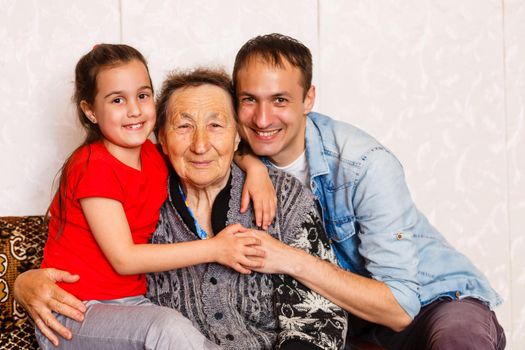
[
  {"x": 237, "y": 141},
  {"x": 88, "y": 111},
  {"x": 309, "y": 100}
]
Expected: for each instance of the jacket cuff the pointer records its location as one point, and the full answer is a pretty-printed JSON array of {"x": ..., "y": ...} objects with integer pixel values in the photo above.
[{"x": 407, "y": 298}]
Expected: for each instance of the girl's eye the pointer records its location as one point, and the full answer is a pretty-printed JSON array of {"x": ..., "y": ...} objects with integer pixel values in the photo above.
[
  {"x": 143, "y": 96},
  {"x": 118, "y": 100}
]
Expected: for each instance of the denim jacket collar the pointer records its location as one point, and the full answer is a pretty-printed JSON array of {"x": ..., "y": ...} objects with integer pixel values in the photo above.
[{"x": 315, "y": 155}]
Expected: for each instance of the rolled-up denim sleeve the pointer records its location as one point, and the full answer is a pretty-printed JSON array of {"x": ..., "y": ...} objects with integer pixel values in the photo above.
[{"x": 387, "y": 216}]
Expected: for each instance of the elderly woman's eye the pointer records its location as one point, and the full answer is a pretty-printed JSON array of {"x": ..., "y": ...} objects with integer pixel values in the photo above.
[
  {"x": 216, "y": 125},
  {"x": 183, "y": 126}
]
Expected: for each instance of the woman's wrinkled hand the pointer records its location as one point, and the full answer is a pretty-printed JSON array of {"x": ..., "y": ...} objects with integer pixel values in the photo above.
[
  {"x": 278, "y": 256},
  {"x": 236, "y": 247}
]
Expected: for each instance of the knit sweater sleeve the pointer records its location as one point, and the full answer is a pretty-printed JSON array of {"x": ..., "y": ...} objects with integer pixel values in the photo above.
[{"x": 306, "y": 319}]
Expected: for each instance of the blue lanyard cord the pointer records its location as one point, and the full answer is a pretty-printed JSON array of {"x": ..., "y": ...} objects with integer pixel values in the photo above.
[{"x": 200, "y": 232}]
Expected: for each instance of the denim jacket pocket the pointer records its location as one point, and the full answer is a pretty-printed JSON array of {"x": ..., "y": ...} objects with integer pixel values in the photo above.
[
  {"x": 346, "y": 243},
  {"x": 342, "y": 229}
]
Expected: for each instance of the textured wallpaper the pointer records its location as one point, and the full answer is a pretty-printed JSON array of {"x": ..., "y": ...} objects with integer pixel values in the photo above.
[
  {"x": 514, "y": 19},
  {"x": 440, "y": 83},
  {"x": 428, "y": 80}
]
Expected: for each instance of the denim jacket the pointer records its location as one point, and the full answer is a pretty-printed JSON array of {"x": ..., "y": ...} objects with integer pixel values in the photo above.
[{"x": 373, "y": 224}]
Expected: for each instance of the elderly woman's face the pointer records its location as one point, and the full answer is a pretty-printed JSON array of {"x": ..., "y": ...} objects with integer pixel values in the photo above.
[{"x": 200, "y": 135}]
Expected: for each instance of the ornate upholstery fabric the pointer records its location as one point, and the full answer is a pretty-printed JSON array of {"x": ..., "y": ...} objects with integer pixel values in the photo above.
[{"x": 21, "y": 243}]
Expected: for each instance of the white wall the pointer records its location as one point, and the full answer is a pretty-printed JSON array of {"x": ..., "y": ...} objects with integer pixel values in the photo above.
[{"x": 441, "y": 83}]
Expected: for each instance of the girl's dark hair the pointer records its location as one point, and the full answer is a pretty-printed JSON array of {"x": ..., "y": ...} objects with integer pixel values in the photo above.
[{"x": 86, "y": 71}]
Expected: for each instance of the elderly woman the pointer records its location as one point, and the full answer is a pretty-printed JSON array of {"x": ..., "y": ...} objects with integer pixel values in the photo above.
[{"x": 197, "y": 130}]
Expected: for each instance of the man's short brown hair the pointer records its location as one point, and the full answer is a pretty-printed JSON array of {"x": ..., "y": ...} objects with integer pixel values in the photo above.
[{"x": 275, "y": 48}]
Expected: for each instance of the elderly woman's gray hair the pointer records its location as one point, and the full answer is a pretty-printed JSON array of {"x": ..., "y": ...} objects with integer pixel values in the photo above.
[{"x": 192, "y": 78}]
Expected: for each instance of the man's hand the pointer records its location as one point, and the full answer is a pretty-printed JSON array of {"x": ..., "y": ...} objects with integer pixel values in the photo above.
[{"x": 37, "y": 292}]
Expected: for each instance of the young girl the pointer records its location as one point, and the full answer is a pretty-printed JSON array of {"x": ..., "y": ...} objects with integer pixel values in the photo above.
[{"x": 107, "y": 206}]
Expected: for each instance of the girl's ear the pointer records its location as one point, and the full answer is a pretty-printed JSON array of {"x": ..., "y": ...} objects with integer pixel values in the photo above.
[{"x": 88, "y": 111}]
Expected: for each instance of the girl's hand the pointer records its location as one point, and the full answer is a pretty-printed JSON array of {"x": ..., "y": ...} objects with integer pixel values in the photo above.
[
  {"x": 237, "y": 251},
  {"x": 260, "y": 190}
]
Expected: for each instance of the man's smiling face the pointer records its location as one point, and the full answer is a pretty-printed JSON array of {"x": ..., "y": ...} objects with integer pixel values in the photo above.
[{"x": 272, "y": 109}]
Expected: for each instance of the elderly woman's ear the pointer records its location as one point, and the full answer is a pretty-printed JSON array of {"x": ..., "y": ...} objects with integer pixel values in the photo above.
[{"x": 161, "y": 138}]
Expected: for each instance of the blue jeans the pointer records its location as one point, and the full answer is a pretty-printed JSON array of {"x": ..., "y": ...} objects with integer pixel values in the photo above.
[
  {"x": 444, "y": 324},
  {"x": 129, "y": 323}
]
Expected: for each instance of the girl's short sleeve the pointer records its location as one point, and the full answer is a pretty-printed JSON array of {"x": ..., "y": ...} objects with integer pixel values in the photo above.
[{"x": 99, "y": 180}]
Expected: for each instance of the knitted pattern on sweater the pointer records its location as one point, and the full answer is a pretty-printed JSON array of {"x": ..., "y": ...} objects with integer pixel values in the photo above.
[{"x": 256, "y": 311}]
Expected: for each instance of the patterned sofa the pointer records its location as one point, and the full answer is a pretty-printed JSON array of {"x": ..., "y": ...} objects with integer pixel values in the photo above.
[{"x": 21, "y": 244}]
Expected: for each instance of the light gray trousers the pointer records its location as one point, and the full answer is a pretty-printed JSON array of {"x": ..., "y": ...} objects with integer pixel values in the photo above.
[{"x": 129, "y": 323}]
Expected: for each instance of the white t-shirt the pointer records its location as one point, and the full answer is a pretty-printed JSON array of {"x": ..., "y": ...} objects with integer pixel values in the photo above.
[{"x": 298, "y": 168}]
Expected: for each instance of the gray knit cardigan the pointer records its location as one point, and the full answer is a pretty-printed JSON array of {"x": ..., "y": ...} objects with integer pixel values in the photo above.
[{"x": 256, "y": 311}]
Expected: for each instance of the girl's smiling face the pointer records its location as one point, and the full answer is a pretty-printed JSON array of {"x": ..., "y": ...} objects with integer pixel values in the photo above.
[{"x": 124, "y": 107}]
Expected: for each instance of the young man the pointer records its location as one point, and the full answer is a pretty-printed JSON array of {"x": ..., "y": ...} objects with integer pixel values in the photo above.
[{"x": 403, "y": 282}]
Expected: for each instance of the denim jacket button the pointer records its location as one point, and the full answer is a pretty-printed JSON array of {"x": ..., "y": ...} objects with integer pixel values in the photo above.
[{"x": 399, "y": 236}]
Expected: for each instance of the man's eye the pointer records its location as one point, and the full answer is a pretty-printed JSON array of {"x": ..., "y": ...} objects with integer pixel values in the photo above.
[
  {"x": 280, "y": 100},
  {"x": 248, "y": 99}
]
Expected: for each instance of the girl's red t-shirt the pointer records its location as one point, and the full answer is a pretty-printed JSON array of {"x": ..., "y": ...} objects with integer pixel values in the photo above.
[{"x": 94, "y": 172}]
